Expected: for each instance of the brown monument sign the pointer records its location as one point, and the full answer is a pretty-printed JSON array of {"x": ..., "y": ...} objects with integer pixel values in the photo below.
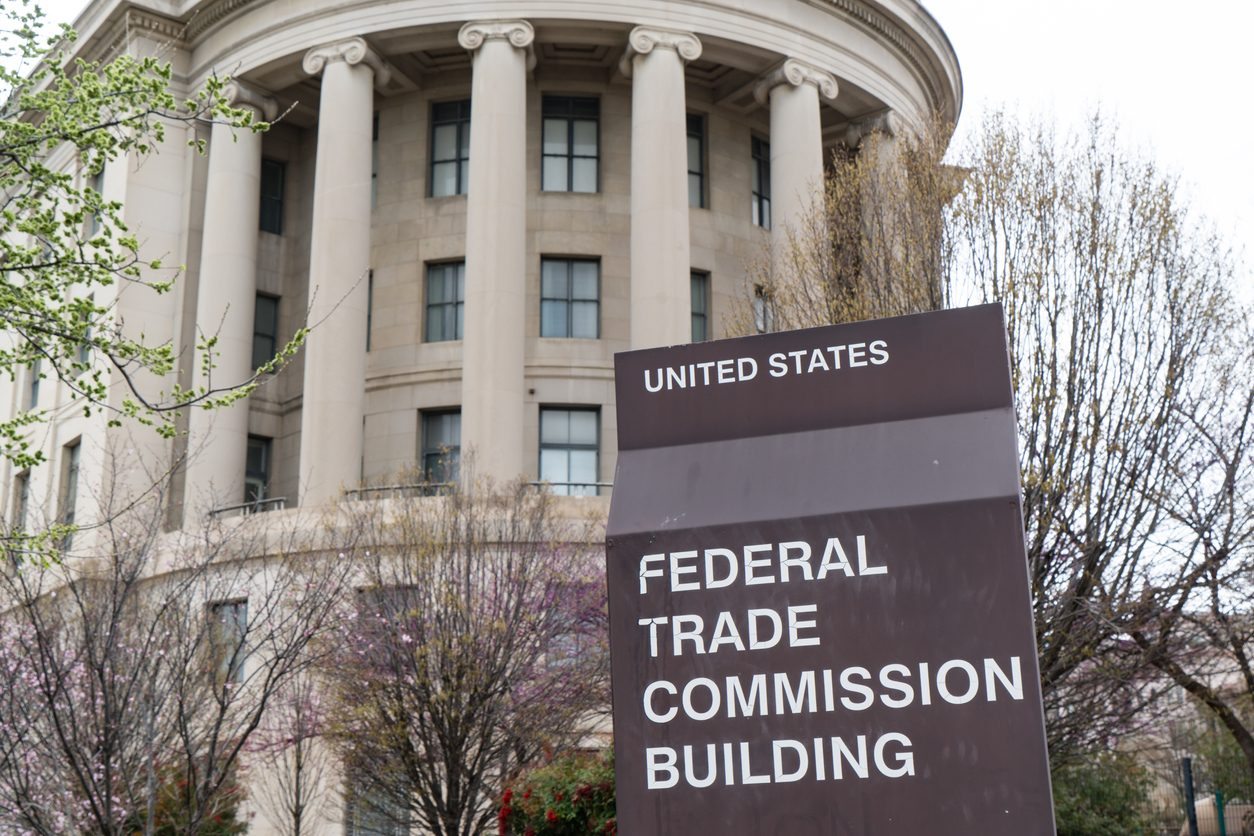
[{"x": 820, "y": 618}]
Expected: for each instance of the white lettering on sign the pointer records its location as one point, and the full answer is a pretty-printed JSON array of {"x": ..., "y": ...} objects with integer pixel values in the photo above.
[{"x": 830, "y": 358}]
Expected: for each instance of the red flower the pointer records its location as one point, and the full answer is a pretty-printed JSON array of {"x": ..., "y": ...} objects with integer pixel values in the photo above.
[
  {"x": 509, "y": 793},
  {"x": 550, "y": 815}
]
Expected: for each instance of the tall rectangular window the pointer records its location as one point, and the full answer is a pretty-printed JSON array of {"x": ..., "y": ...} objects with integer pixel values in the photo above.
[
  {"x": 450, "y": 148},
  {"x": 700, "y": 306},
  {"x": 570, "y": 143},
  {"x": 374, "y": 160},
  {"x": 34, "y": 374},
  {"x": 257, "y": 469},
  {"x": 441, "y": 445},
  {"x": 763, "y": 314},
  {"x": 83, "y": 357},
  {"x": 369, "y": 811},
  {"x": 272, "y": 176},
  {"x": 265, "y": 329},
  {"x": 369, "y": 306},
  {"x": 97, "y": 185},
  {"x": 70, "y": 456},
  {"x": 761, "y": 154},
  {"x": 570, "y": 298},
  {"x": 446, "y": 298},
  {"x": 570, "y": 450},
  {"x": 696, "y": 160},
  {"x": 228, "y": 635},
  {"x": 21, "y": 500}
]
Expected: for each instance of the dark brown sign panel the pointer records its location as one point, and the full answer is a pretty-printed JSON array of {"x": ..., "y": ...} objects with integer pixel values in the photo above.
[{"x": 819, "y": 606}]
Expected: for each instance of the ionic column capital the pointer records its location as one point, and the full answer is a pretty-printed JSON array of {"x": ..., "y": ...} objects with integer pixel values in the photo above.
[
  {"x": 645, "y": 39},
  {"x": 796, "y": 73},
  {"x": 519, "y": 33},
  {"x": 886, "y": 122},
  {"x": 241, "y": 94},
  {"x": 351, "y": 51}
]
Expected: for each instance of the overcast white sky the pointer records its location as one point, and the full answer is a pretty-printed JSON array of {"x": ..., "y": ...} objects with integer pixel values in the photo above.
[{"x": 1175, "y": 76}]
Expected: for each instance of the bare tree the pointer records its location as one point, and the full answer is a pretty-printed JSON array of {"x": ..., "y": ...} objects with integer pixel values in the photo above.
[
  {"x": 479, "y": 643},
  {"x": 138, "y": 669},
  {"x": 1113, "y": 291},
  {"x": 292, "y": 763}
]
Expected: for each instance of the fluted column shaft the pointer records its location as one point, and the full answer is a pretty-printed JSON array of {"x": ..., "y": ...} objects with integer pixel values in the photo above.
[
  {"x": 335, "y": 352},
  {"x": 227, "y": 289},
  {"x": 493, "y": 345},
  {"x": 796, "y": 149},
  {"x": 660, "y": 248}
]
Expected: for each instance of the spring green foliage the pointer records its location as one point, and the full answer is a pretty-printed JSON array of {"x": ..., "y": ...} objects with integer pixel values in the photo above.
[
  {"x": 66, "y": 251},
  {"x": 573, "y": 795}
]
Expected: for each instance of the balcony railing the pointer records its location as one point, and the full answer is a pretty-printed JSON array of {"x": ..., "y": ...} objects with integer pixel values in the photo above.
[
  {"x": 386, "y": 491},
  {"x": 253, "y": 506},
  {"x": 575, "y": 488}
]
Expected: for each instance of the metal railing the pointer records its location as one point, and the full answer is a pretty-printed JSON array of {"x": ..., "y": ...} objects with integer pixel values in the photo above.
[
  {"x": 574, "y": 488},
  {"x": 255, "y": 506},
  {"x": 413, "y": 489}
]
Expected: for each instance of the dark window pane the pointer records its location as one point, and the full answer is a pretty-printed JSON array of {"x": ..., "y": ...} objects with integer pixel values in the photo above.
[
  {"x": 272, "y": 176},
  {"x": 265, "y": 329}
]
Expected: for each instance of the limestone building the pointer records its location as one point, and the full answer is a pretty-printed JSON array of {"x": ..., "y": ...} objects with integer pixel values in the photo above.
[{"x": 475, "y": 205}]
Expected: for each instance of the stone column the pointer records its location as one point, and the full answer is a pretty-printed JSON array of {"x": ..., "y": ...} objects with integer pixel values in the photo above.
[
  {"x": 218, "y": 439},
  {"x": 660, "y": 250},
  {"x": 493, "y": 344},
  {"x": 793, "y": 90},
  {"x": 339, "y": 261}
]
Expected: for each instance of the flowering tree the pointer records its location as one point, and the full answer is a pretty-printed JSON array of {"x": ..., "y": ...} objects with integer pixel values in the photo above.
[
  {"x": 478, "y": 643},
  {"x": 136, "y": 673}
]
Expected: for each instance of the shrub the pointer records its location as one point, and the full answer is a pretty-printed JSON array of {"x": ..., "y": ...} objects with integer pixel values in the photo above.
[
  {"x": 572, "y": 795},
  {"x": 1102, "y": 796}
]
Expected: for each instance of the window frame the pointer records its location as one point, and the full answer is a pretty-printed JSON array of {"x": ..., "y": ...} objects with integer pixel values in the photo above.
[
  {"x": 760, "y": 180},
  {"x": 34, "y": 376},
  {"x": 273, "y": 338},
  {"x": 67, "y": 494},
  {"x": 461, "y": 164},
  {"x": 21, "y": 500},
  {"x": 699, "y": 120},
  {"x": 565, "y": 107},
  {"x": 568, "y": 488},
  {"x": 228, "y": 668},
  {"x": 273, "y": 201},
  {"x": 701, "y": 277},
  {"x": 569, "y": 300},
  {"x": 446, "y": 457},
  {"x": 267, "y": 471},
  {"x": 458, "y": 304}
]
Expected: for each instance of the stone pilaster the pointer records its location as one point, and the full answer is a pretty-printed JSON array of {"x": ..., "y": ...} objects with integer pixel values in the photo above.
[
  {"x": 493, "y": 345},
  {"x": 218, "y": 440},
  {"x": 660, "y": 248},
  {"x": 335, "y": 352},
  {"x": 793, "y": 90}
]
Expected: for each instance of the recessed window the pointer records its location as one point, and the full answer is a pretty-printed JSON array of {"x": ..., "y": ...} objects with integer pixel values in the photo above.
[
  {"x": 34, "y": 374},
  {"x": 441, "y": 445},
  {"x": 265, "y": 329},
  {"x": 257, "y": 470},
  {"x": 83, "y": 355},
  {"x": 570, "y": 450},
  {"x": 761, "y": 159},
  {"x": 70, "y": 458},
  {"x": 763, "y": 313},
  {"x": 228, "y": 634},
  {"x": 700, "y": 306},
  {"x": 570, "y": 142},
  {"x": 97, "y": 185},
  {"x": 369, "y": 306},
  {"x": 450, "y": 148},
  {"x": 570, "y": 293},
  {"x": 446, "y": 298},
  {"x": 374, "y": 160},
  {"x": 370, "y": 811},
  {"x": 273, "y": 173},
  {"x": 696, "y": 160},
  {"x": 21, "y": 500}
]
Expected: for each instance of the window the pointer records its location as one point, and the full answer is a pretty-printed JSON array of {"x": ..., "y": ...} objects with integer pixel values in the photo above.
[
  {"x": 84, "y": 347},
  {"x": 257, "y": 469},
  {"x": 21, "y": 500},
  {"x": 763, "y": 313},
  {"x": 272, "y": 176},
  {"x": 569, "y": 161},
  {"x": 761, "y": 152},
  {"x": 450, "y": 148},
  {"x": 265, "y": 329},
  {"x": 374, "y": 160},
  {"x": 696, "y": 160},
  {"x": 371, "y": 811},
  {"x": 228, "y": 632},
  {"x": 700, "y": 306},
  {"x": 97, "y": 185},
  {"x": 369, "y": 306},
  {"x": 70, "y": 454},
  {"x": 570, "y": 292},
  {"x": 441, "y": 445},
  {"x": 446, "y": 297},
  {"x": 34, "y": 373},
  {"x": 569, "y": 450}
]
